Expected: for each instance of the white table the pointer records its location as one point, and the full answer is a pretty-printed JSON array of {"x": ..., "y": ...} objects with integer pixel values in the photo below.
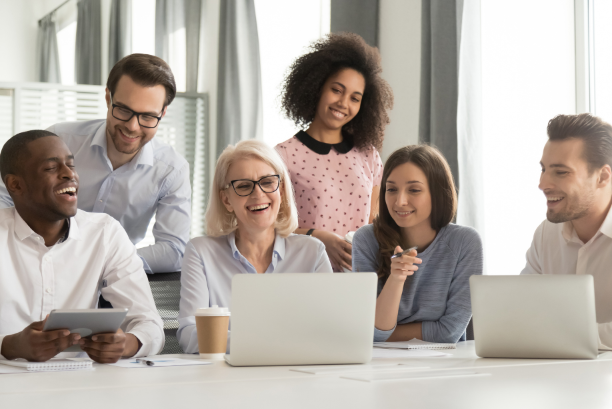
[{"x": 518, "y": 383}]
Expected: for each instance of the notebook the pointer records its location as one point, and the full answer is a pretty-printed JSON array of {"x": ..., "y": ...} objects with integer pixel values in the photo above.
[
  {"x": 414, "y": 344},
  {"x": 50, "y": 365}
]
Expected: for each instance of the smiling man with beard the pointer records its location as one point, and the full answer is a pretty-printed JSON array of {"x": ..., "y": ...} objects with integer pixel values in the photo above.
[
  {"x": 53, "y": 256},
  {"x": 124, "y": 171},
  {"x": 576, "y": 238}
]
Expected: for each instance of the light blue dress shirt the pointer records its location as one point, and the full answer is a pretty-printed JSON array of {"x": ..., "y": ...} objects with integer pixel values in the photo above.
[
  {"x": 154, "y": 183},
  {"x": 210, "y": 263}
]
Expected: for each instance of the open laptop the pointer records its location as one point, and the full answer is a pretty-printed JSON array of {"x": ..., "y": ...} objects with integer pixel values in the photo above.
[
  {"x": 534, "y": 316},
  {"x": 302, "y": 319}
]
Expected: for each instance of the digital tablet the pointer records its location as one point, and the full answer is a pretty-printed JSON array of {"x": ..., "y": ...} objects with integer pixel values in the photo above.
[{"x": 86, "y": 322}]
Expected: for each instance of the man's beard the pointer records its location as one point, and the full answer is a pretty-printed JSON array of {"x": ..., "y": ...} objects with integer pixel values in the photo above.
[
  {"x": 576, "y": 210},
  {"x": 118, "y": 142}
]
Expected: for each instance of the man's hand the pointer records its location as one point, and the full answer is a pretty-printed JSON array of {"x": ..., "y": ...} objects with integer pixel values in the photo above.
[
  {"x": 37, "y": 345},
  {"x": 108, "y": 348}
]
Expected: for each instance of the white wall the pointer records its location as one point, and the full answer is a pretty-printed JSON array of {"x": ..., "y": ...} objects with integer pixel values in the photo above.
[
  {"x": 18, "y": 31},
  {"x": 399, "y": 39}
]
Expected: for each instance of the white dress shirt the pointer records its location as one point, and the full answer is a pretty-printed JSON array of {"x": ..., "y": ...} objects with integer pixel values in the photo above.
[
  {"x": 556, "y": 249},
  {"x": 96, "y": 256},
  {"x": 210, "y": 263},
  {"x": 154, "y": 183}
]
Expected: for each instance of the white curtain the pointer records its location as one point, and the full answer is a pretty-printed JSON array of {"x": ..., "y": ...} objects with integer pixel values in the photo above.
[
  {"x": 177, "y": 39},
  {"x": 239, "y": 100},
  {"x": 469, "y": 121},
  {"x": 48, "y": 67}
]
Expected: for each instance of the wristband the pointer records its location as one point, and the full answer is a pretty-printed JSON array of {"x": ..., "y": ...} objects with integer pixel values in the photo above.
[{"x": 309, "y": 232}]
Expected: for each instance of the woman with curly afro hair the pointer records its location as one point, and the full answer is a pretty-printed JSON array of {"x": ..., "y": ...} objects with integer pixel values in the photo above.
[{"x": 335, "y": 91}]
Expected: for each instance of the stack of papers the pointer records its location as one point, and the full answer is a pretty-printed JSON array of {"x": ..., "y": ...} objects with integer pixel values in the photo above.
[
  {"x": 414, "y": 344},
  {"x": 52, "y": 365}
]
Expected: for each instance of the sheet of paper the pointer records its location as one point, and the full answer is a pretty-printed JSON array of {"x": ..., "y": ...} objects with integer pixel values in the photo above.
[
  {"x": 342, "y": 369},
  {"x": 406, "y": 353},
  {"x": 158, "y": 362},
  {"x": 412, "y": 375}
]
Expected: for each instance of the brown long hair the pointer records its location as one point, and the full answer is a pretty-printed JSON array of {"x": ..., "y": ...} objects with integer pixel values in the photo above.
[{"x": 443, "y": 198}]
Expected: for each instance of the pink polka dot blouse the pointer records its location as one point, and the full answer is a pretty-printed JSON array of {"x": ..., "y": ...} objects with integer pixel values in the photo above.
[{"x": 333, "y": 187}]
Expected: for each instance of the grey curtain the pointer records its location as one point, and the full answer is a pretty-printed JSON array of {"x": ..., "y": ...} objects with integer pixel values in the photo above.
[
  {"x": 441, "y": 22},
  {"x": 239, "y": 104},
  {"x": 120, "y": 31},
  {"x": 88, "y": 52},
  {"x": 356, "y": 16},
  {"x": 170, "y": 16},
  {"x": 48, "y": 67},
  {"x": 192, "y": 29}
]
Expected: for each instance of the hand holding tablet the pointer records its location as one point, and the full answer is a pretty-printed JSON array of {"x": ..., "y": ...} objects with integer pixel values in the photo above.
[{"x": 100, "y": 335}]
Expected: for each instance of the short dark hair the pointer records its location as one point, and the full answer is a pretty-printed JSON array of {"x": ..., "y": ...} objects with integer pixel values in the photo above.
[
  {"x": 15, "y": 151},
  {"x": 329, "y": 55},
  {"x": 592, "y": 130},
  {"x": 146, "y": 70},
  {"x": 443, "y": 198}
]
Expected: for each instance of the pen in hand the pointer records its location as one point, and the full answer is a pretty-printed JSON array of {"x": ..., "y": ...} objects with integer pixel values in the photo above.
[{"x": 404, "y": 252}]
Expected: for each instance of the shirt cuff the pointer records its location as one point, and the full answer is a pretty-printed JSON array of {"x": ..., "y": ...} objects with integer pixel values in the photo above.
[
  {"x": 146, "y": 341},
  {"x": 145, "y": 265},
  {"x": 2, "y": 358},
  {"x": 382, "y": 336}
]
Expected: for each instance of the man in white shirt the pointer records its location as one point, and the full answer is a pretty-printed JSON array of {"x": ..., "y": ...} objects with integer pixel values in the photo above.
[
  {"x": 124, "y": 171},
  {"x": 577, "y": 237},
  {"x": 53, "y": 256}
]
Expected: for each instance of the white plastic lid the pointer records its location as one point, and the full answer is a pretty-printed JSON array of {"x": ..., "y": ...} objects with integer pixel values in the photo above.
[
  {"x": 215, "y": 310},
  {"x": 349, "y": 237}
]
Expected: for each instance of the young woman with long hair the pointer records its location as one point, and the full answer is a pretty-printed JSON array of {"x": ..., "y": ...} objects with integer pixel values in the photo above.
[{"x": 425, "y": 293}]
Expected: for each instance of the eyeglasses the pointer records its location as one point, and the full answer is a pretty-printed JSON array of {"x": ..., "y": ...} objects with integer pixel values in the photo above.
[
  {"x": 125, "y": 114},
  {"x": 244, "y": 187}
]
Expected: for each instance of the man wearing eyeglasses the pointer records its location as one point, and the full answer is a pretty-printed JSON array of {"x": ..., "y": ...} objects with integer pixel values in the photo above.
[{"x": 124, "y": 171}]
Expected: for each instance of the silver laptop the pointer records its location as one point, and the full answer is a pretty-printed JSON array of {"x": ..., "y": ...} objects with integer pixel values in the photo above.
[
  {"x": 302, "y": 319},
  {"x": 534, "y": 316}
]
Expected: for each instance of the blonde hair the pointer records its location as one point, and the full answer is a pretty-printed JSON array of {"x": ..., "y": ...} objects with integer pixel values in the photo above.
[{"x": 219, "y": 221}]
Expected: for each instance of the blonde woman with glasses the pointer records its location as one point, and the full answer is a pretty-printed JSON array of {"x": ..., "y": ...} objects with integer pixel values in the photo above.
[{"x": 250, "y": 218}]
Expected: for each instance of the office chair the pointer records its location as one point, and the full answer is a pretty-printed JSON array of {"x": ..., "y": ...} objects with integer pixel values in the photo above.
[{"x": 166, "y": 289}]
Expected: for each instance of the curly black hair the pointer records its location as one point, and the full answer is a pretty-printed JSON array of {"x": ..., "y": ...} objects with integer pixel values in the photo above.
[{"x": 330, "y": 54}]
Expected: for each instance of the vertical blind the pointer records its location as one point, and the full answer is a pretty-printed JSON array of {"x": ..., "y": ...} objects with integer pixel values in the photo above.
[{"x": 25, "y": 106}]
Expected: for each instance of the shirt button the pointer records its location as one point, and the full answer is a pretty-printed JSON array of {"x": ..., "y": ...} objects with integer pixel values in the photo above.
[
  {"x": 48, "y": 291},
  {"x": 100, "y": 200}
]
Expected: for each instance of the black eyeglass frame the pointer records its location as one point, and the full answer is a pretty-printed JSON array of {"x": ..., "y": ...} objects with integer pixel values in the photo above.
[
  {"x": 255, "y": 182},
  {"x": 132, "y": 116}
]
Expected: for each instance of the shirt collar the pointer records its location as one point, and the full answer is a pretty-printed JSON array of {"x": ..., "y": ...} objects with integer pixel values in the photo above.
[
  {"x": 569, "y": 233},
  {"x": 23, "y": 231},
  {"x": 324, "y": 148},
  {"x": 143, "y": 157},
  {"x": 279, "y": 246},
  {"x": 606, "y": 226}
]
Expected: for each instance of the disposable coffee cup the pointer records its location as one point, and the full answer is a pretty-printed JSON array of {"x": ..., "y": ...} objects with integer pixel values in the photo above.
[{"x": 212, "y": 325}]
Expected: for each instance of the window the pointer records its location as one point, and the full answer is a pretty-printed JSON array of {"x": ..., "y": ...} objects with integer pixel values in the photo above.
[
  {"x": 528, "y": 77},
  {"x": 598, "y": 31},
  {"x": 286, "y": 28}
]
